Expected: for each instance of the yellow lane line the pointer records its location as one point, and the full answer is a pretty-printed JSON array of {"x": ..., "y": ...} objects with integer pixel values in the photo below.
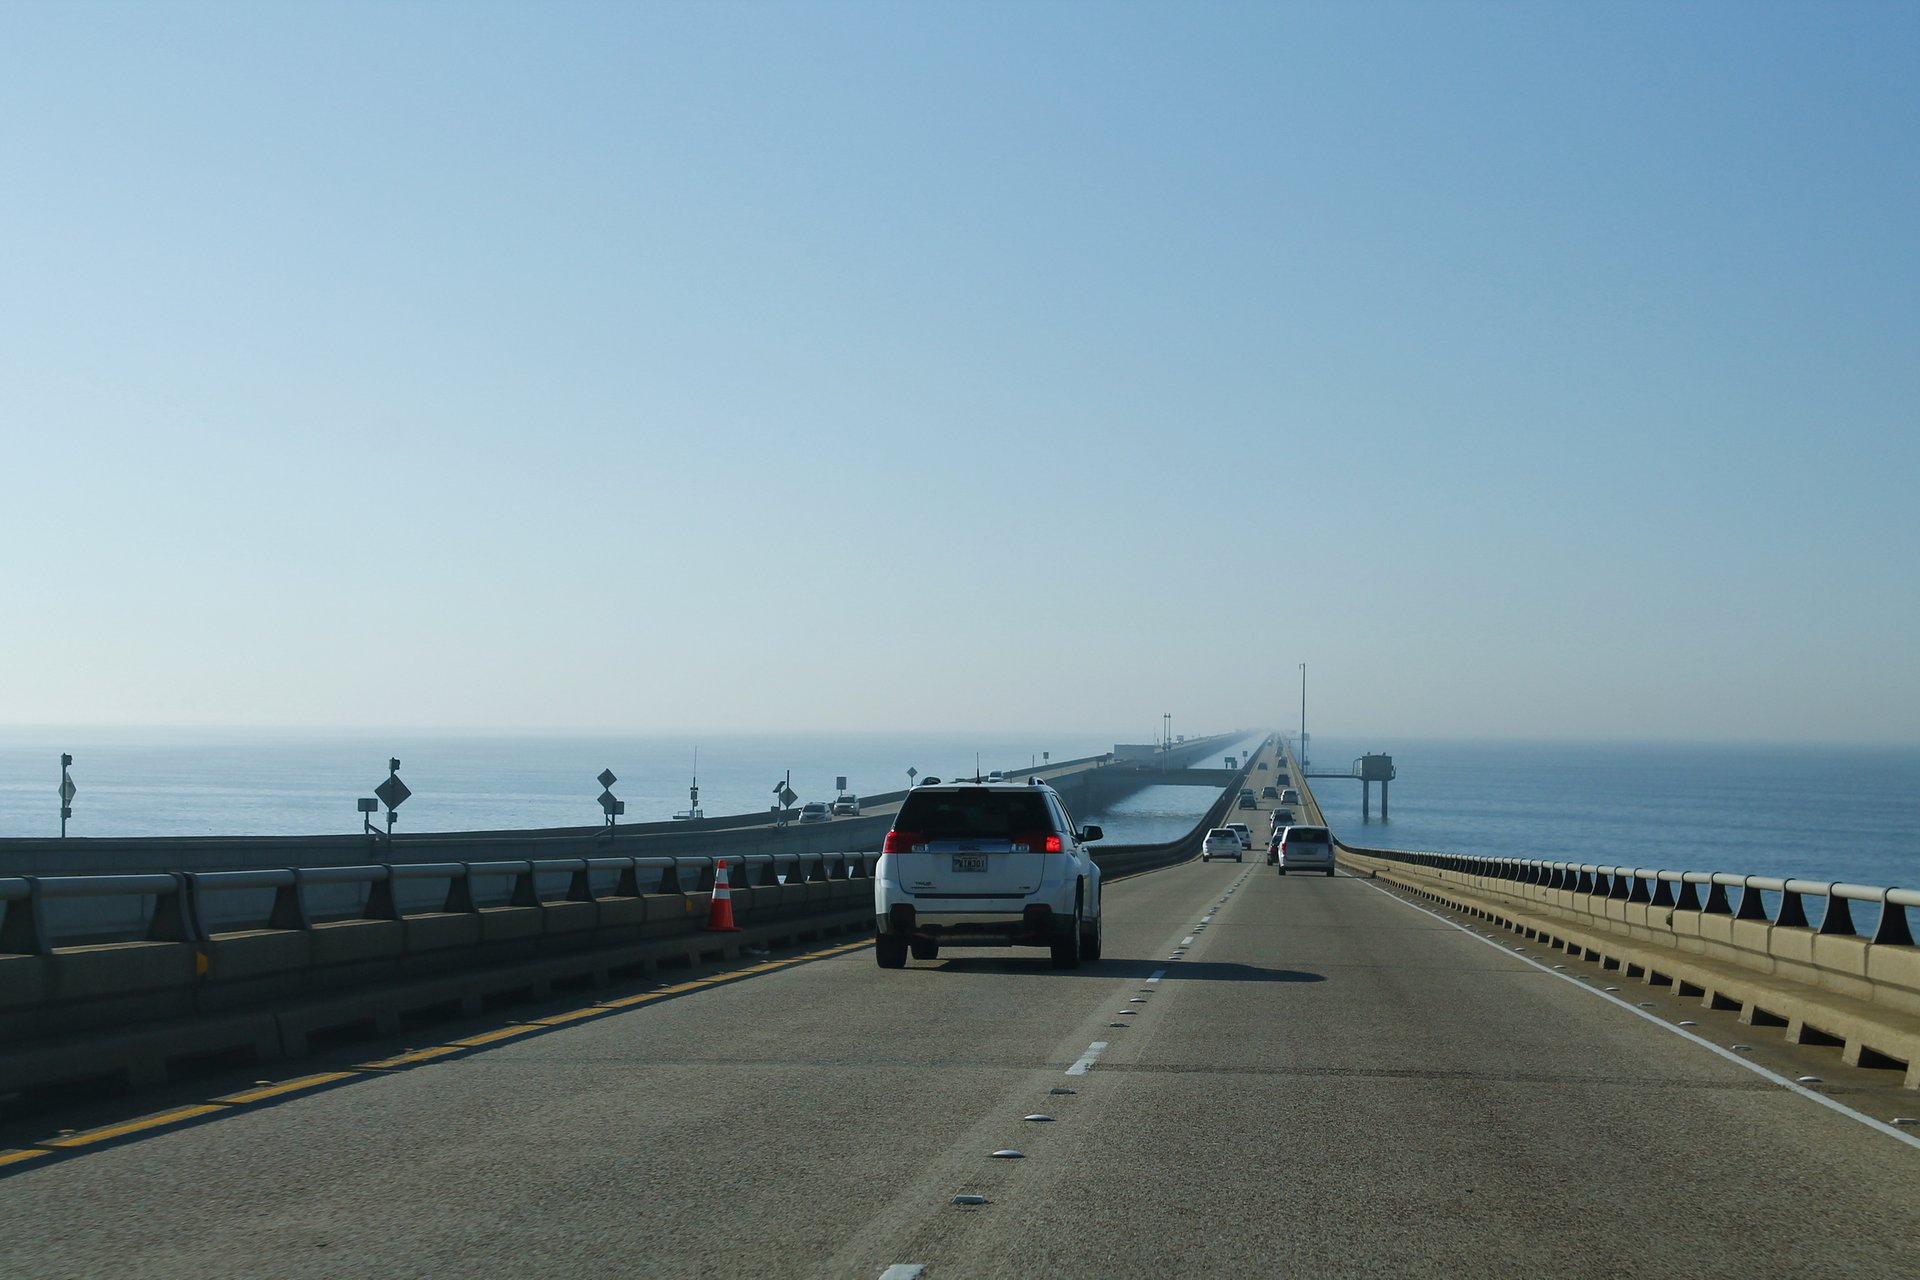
[
  {"x": 410, "y": 1057},
  {"x": 494, "y": 1037},
  {"x": 573, "y": 1016},
  {"x": 136, "y": 1126},
  {"x": 21, "y": 1157},
  {"x": 290, "y": 1086}
]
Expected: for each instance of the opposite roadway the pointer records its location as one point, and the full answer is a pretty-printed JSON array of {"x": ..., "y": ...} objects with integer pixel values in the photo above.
[{"x": 1301, "y": 1076}]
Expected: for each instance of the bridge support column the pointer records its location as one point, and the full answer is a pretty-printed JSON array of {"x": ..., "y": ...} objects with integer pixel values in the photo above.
[
  {"x": 1366, "y": 799},
  {"x": 1383, "y": 799}
]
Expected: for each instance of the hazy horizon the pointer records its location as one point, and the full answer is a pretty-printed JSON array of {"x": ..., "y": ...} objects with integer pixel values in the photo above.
[{"x": 1531, "y": 373}]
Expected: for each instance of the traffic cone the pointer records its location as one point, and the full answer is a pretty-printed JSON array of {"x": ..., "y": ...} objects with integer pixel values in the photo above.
[{"x": 720, "y": 909}]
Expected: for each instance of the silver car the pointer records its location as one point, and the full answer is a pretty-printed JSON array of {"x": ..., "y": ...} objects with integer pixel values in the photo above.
[{"x": 1305, "y": 849}]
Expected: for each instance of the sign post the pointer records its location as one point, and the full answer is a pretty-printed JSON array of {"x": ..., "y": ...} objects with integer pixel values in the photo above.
[
  {"x": 609, "y": 805},
  {"x": 67, "y": 790},
  {"x": 392, "y": 793}
]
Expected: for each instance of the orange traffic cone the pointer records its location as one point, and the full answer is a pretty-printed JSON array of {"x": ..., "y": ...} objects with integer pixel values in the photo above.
[{"x": 720, "y": 910}]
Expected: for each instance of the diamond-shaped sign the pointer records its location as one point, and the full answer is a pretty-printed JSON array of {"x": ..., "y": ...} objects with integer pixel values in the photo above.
[
  {"x": 392, "y": 791},
  {"x": 788, "y": 795},
  {"x": 608, "y": 801},
  {"x": 606, "y": 778},
  {"x": 67, "y": 790}
]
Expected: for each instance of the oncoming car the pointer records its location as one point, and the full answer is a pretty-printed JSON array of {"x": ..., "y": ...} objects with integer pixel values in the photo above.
[
  {"x": 1221, "y": 842},
  {"x": 1305, "y": 849},
  {"x": 985, "y": 865}
]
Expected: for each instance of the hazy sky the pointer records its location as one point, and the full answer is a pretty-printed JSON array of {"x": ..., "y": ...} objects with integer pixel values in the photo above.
[{"x": 1530, "y": 369}]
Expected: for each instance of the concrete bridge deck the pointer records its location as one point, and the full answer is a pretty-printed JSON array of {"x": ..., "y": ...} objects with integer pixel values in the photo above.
[{"x": 1298, "y": 1076}]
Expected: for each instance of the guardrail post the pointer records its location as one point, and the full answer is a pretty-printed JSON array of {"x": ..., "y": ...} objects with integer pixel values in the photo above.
[
  {"x": 1662, "y": 892},
  {"x": 525, "y": 892},
  {"x": 173, "y": 916},
  {"x": 290, "y": 905},
  {"x": 1750, "y": 907},
  {"x": 580, "y": 887},
  {"x": 670, "y": 877},
  {"x": 1892, "y": 931},
  {"x": 380, "y": 905},
  {"x": 629, "y": 886},
  {"x": 459, "y": 901},
  {"x": 24, "y": 929},
  {"x": 1793, "y": 911},
  {"x": 1717, "y": 900},
  {"x": 1838, "y": 919}
]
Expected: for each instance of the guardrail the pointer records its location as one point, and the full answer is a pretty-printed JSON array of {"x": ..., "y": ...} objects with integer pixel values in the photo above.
[{"x": 1736, "y": 941}]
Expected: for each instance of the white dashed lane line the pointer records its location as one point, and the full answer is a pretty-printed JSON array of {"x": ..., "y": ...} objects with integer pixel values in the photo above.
[{"x": 1087, "y": 1059}]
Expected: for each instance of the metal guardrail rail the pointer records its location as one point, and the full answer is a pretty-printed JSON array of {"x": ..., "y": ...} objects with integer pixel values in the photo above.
[{"x": 1742, "y": 897}]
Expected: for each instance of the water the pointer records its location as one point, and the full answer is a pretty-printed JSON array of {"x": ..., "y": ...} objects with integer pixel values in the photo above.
[
  {"x": 190, "y": 783},
  {"x": 1816, "y": 813}
]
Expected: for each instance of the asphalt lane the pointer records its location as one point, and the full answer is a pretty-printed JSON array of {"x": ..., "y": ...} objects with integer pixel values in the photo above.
[{"x": 1298, "y": 1075}]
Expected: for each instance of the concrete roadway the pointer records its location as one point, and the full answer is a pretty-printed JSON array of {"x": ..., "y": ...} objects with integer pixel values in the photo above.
[{"x": 1326, "y": 1081}]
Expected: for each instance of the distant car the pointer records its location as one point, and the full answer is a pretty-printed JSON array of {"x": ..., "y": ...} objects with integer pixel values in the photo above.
[
  {"x": 1273, "y": 849},
  {"x": 996, "y": 776},
  {"x": 1269, "y": 793},
  {"x": 1261, "y": 765},
  {"x": 1305, "y": 849},
  {"x": 814, "y": 811},
  {"x": 1289, "y": 796},
  {"x": 1282, "y": 818},
  {"x": 1247, "y": 800},
  {"x": 1222, "y": 842},
  {"x": 846, "y": 806},
  {"x": 1244, "y": 832}
]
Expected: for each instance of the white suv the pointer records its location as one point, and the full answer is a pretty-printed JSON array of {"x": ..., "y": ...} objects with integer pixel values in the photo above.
[{"x": 985, "y": 865}]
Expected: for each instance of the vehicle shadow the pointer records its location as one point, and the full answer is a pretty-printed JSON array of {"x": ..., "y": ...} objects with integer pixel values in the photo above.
[{"x": 1170, "y": 970}]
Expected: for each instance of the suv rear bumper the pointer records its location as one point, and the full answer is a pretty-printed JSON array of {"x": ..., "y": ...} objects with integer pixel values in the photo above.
[{"x": 1022, "y": 925}]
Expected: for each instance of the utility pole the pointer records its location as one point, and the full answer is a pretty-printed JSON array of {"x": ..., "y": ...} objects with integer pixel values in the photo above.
[{"x": 1303, "y": 715}]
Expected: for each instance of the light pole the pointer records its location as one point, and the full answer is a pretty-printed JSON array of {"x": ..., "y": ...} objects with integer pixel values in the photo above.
[{"x": 1303, "y": 715}]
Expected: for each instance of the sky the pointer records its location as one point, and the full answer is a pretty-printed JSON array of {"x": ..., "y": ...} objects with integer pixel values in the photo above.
[{"x": 1524, "y": 370}]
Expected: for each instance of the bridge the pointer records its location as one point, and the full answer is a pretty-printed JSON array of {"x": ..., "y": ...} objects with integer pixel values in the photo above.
[{"x": 1424, "y": 1065}]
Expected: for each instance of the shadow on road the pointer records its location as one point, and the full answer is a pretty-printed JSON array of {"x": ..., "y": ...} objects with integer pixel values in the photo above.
[{"x": 1172, "y": 970}]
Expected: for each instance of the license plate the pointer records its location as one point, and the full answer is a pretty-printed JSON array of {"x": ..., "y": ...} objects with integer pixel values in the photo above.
[{"x": 969, "y": 862}]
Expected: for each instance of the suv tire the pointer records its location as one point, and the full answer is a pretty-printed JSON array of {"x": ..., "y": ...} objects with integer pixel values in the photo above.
[
  {"x": 890, "y": 951},
  {"x": 1090, "y": 942},
  {"x": 1066, "y": 944},
  {"x": 924, "y": 950}
]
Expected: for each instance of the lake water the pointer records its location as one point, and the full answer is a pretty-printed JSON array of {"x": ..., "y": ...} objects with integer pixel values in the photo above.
[{"x": 1820, "y": 813}]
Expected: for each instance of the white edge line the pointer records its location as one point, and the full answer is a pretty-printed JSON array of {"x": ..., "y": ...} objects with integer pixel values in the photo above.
[
  {"x": 1187, "y": 941},
  {"x": 1157, "y": 975},
  {"x": 1574, "y": 981},
  {"x": 904, "y": 1271},
  {"x": 1087, "y": 1059}
]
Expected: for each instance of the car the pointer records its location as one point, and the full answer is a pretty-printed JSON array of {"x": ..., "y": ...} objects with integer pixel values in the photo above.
[
  {"x": 1222, "y": 842},
  {"x": 1279, "y": 819},
  {"x": 1273, "y": 849},
  {"x": 1247, "y": 800},
  {"x": 846, "y": 805},
  {"x": 996, "y": 776},
  {"x": 1289, "y": 796},
  {"x": 986, "y": 864},
  {"x": 1305, "y": 849},
  {"x": 1269, "y": 793},
  {"x": 814, "y": 811},
  {"x": 1261, "y": 765},
  {"x": 1243, "y": 831}
]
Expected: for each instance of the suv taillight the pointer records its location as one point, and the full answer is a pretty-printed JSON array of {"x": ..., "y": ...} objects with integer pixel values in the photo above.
[
  {"x": 1040, "y": 842},
  {"x": 902, "y": 841}
]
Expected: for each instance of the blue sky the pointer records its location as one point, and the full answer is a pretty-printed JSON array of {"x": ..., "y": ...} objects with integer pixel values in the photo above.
[{"x": 1530, "y": 370}]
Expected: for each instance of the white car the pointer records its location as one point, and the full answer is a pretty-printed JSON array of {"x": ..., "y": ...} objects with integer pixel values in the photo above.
[
  {"x": 814, "y": 811},
  {"x": 1222, "y": 842},
  {"x": 1244, "y": 832},
  {"x": 978, "y": 864},
  {"x": 1305, "y": 849}
]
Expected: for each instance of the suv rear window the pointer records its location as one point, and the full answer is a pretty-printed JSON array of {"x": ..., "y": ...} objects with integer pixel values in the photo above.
[
  {"x": 977, "y": 815},
  {"x": 1308, "y": 835}
]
